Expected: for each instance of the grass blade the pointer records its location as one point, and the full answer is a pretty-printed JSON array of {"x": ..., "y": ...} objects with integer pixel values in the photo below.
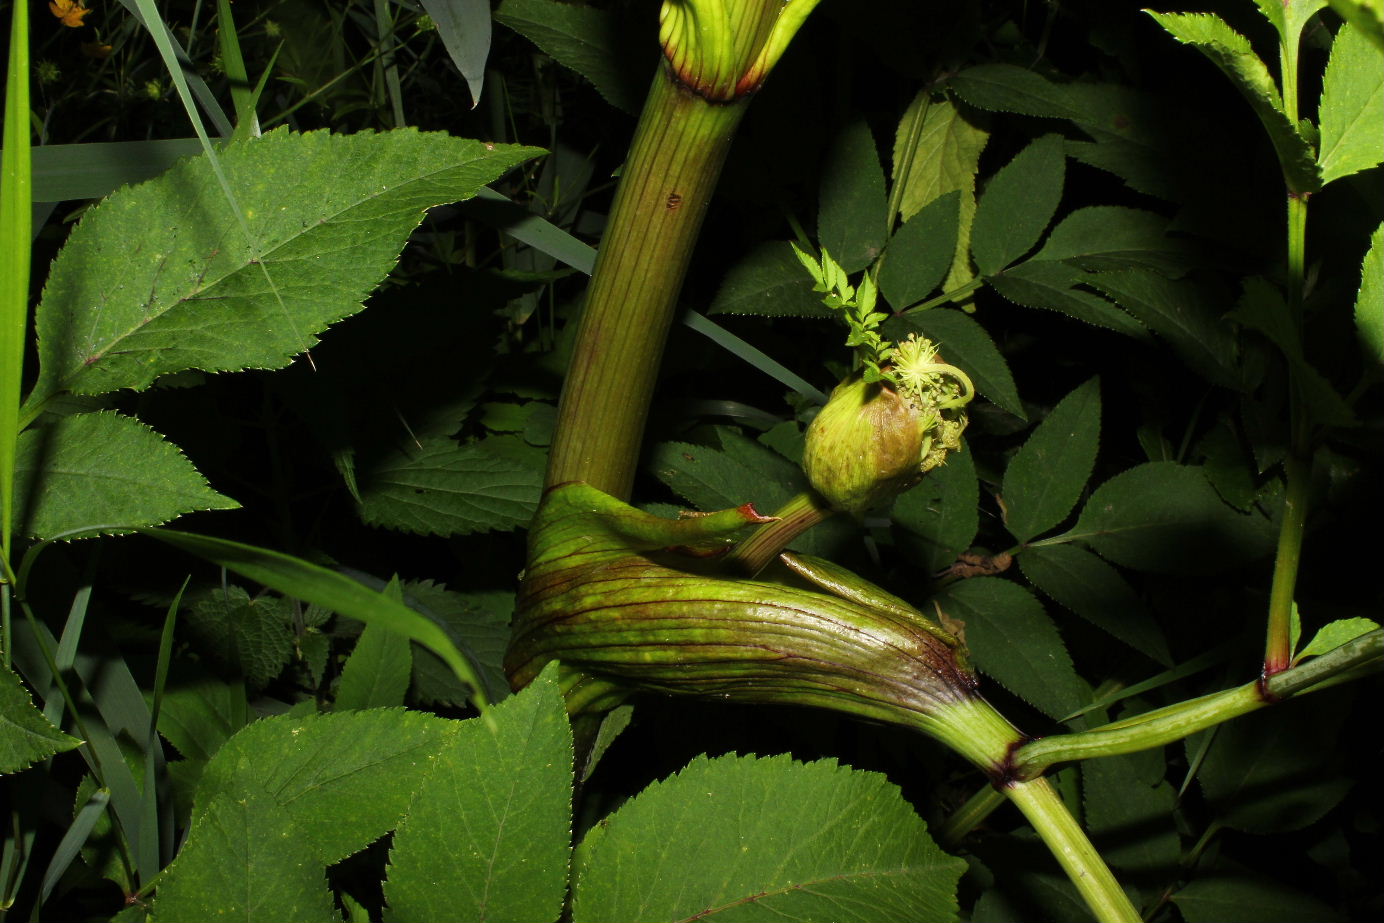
[{"x": 72, "y": 841}]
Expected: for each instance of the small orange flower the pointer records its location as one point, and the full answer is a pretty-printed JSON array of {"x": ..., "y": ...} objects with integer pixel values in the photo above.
[{"x": 69, "y": 12}]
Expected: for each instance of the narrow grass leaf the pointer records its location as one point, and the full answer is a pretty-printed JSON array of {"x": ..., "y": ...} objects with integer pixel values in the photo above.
[
  {"x": 1094, "y": 590},
  {"x": 329, "y": 589},
  {"x": 765, "y": 839},
  {"x": 852, "y": 214},
  {"x": 1045, "y": 478},
  {"x": 1017, "y": 205},
  {"x": 478, "y": 622},
  {"x": 1231, "y": 52},
  {"x": 443, "y": 488},
  {"x": 92, "y": 809},
  {"x": 1166, "y": 518},
  {"x": 464, "y": 26},
  {"x": 1369, "y": 302},
  {"x": 1012, "y": 640},
  {"x": 16, "y": 232},
  {"x": 25, "y": 735},
  {"x": 244, "y": 860},
  {"x": 967, "y": 345},
  {"x": 921, "y": 251},
  {"x": 161, "y": 277},
  {"x": 487, "y": 836},
  {"x": 1352, "y": 106}
]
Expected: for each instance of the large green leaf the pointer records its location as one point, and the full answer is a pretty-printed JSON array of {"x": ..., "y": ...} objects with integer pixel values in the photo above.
[
  {"x": 1094, "y": 590},
  {"x": 245, "y": 860},
  {"x": 920, "y": 252},
  {"x": 1131, "y": 817},
  {"x": 437, "y": 487},
  {"x": 25, "y": 735},
  {"x": 1352, "y": 107},
  {"x": 487, "y": 836},
  {"x": 1053, "y": 287},
  {"x": 967, "y": 345},
  {"x": 751, "y": 839},
  {"x": 940, "y": 517},
  {"x": 103, "y": 472},
  {"x": 769, "y": 282},
  {"x": 1013, "y": 641},
  {"x": 584, "y": 39},
  {"x": 1046, "y": 476},
  {"x": 1276, "y": 771},
  {"x": 1232, "y": 53},
  {"x": 1166, "y": 518},
  {"x": 344, "y": 778},
  {"x": 852, "y": 215},
  {"x": 1187, "y": 315},
  {"x": 1243, "y": 897},
  {"x": 1018, "y": 203},
  {"x": 1113, "y": 237},
  {"x": 167, "y": 276}
]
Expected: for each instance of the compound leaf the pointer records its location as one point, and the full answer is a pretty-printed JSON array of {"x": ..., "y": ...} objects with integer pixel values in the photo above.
[{"x": 1046, "y": 476}]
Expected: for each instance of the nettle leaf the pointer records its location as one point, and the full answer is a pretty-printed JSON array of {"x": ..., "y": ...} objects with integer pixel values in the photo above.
[
  {"x": 1187, "y": 315},
  {"x": 1131, "y": 820},
  {"x": 1352, "y": 106},
  {"x": 163, "y": 276},
  {"x": 1012, "y": 640},
  {"x": 478, "y": 623},
  {"x": 583, "y": 39},
  {"x": 967, "y": 345},
  {"x": 25, "y": 735},
  {"x": 253, "y": 636},
  {"x": 748, "y": 838},
  {"x": 852, "y": 215},
  {"x": 1045, "y": 478},
  {"x": 345, "y": 778},
  {"x": 244, "y": 860},
  {"x": 1094, "y": 590},
  {"x": 1018, "y": 203},
  {"x": 940, "y": 517},
  {"x": 769, "y": 282},
  {"x": 1369, "y": 303},
  {"x": 488, "y": 835},
  {"x": 1243, "y": 897},
  {"x": 439, "y": 487},
  {"x": 1113, "y": 237},
  {"x": 1232, "y": 53},
  {"x": 103, "y": 472},
  {"x": 1052, "y": 286},
  {"x": 1166, "y": 518},
  {"x": 920, "y": 252},
  {"x": 1272, "y": 772}
]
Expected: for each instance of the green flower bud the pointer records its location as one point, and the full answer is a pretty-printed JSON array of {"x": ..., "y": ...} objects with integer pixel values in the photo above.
[{"x": 875, "y": 440}]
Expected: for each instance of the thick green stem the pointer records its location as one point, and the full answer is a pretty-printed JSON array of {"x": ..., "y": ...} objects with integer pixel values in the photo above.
[
  {"x": 1040, "y": 803},
  {"x": 674, "y": 161}
]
